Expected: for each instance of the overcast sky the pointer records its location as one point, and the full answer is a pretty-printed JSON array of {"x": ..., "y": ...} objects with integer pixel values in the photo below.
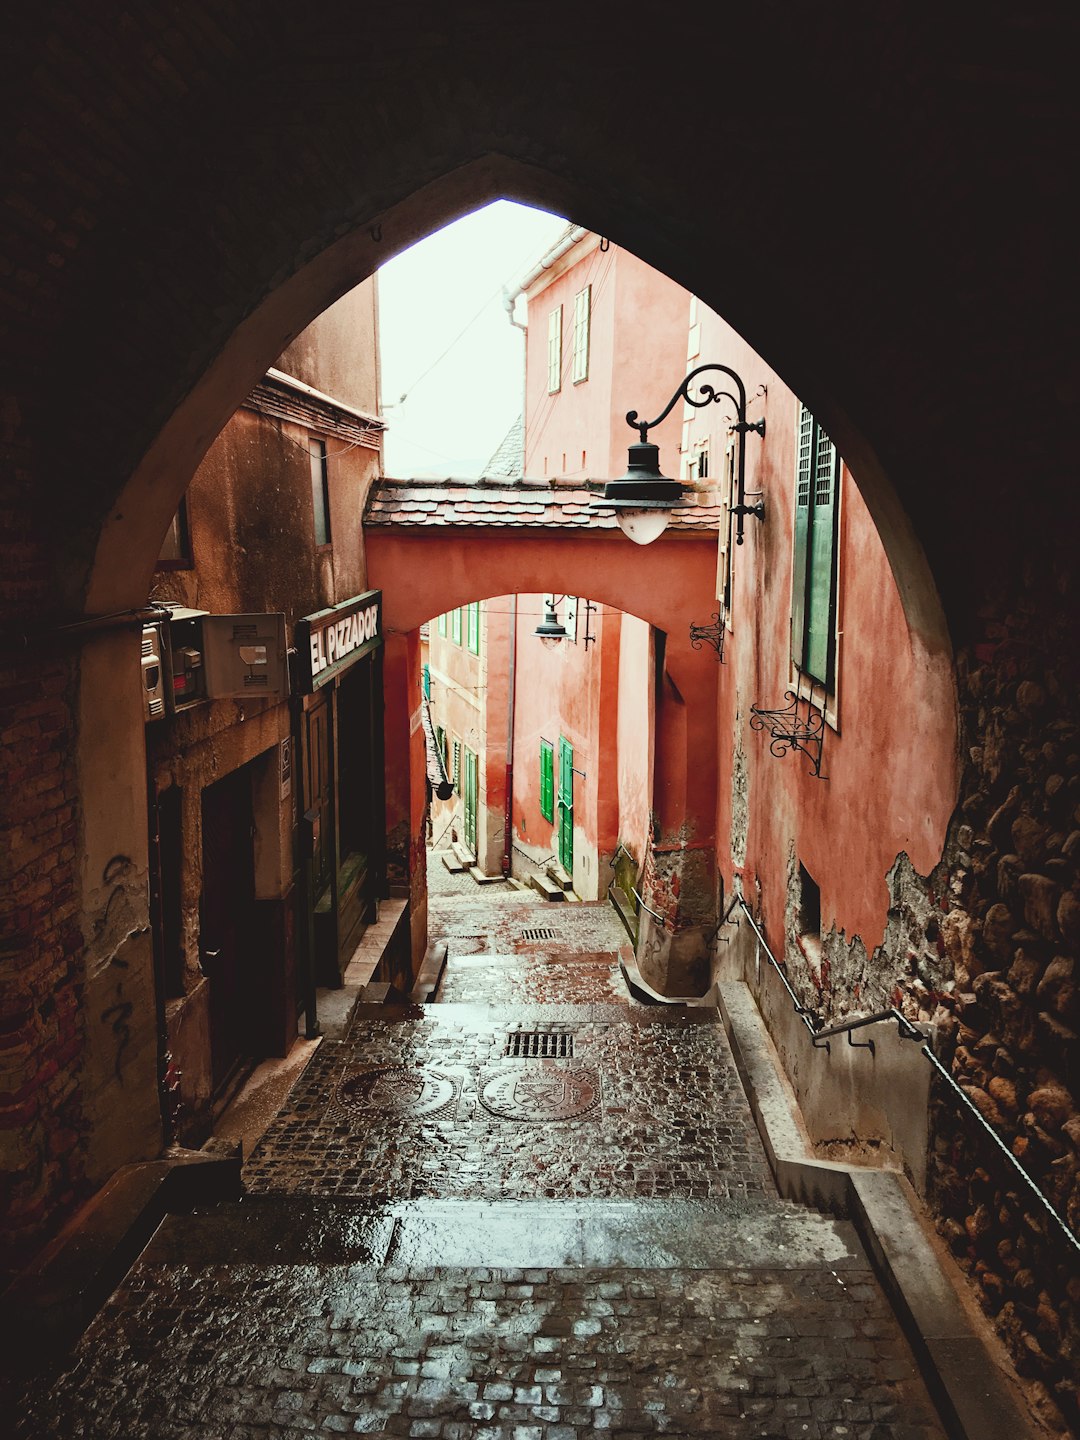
[{"x": 447, "y": 343}]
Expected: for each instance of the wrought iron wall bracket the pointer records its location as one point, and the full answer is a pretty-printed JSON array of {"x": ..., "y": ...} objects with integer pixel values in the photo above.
[
  {"x": 710, "y": 635},
  {"x": 791, "y": 729}
]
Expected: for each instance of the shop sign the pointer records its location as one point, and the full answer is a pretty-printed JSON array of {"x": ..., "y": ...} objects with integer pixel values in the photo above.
[{"x": 328, "y": 642}]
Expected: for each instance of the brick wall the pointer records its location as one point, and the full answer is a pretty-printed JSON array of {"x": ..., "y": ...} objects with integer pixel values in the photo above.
[{"x": 41, "y": 1032}]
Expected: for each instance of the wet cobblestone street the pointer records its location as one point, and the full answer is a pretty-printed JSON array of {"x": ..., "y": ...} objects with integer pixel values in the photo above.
[{"x": 532, "y": 1210}]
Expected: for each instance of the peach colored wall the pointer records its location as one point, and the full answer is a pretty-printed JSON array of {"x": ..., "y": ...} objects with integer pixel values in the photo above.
[
  {"x": 495, "y": 624},
  {"x": 637, "y": 358},
  {"x": 634, "y": 738},
  {"x": 422, "y": 572},
  {"x": 891, "y": 765},
  {"x": 561, "y": 691},
  {"x": 327, "y": 357}
]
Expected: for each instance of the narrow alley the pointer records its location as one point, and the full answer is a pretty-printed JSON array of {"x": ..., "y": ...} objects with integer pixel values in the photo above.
[{"x": 534, "y": 1209}]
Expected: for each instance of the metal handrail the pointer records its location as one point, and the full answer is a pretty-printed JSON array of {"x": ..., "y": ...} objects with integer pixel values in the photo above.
[
  {"x": 908, "y": 1031},
  {"x": 641, "y": 903}
]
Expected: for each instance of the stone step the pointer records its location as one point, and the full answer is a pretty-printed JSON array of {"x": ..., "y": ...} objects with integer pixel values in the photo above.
[
  {"x": 700, "y": 1235},
  {"x": 560, "y": 877},
  {"x": 481, "y": 879},
  {"x": 464, "y": 855},
  {"x": 381, "y": 992},
  {"x": 452, "y": 863},
  {"x": 547, "y": 887}
]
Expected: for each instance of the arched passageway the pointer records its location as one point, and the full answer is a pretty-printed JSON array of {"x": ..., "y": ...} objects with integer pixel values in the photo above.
[{"x": 170, "y": 233}]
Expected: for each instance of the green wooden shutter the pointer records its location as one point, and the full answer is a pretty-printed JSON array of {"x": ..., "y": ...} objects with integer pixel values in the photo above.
[
  {"x": 813, "y": 588},
  {"x": 804, "y": 476},
  {"x": 547, "y": 780},
  {"x": 821, "y": 591},
  {"x": 455, "y": 626},
  {"x": 427, "y": 682},
  {"x": 566, "y": 805},
  {"x": 442, "y": 624},
  {"x": 474, "y": 627},
  {"x": 470, "y": 798}
]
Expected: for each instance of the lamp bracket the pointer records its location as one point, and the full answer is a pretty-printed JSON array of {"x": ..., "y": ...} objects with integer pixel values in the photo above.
[
  {"x": 791, "y": 728},
  {"x": 710, "y": 635},
  {"x": 742, "y": 426}
]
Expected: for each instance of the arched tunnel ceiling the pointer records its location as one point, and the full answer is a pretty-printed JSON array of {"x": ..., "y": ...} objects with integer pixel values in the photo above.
[{"x": 872, "y": 197}]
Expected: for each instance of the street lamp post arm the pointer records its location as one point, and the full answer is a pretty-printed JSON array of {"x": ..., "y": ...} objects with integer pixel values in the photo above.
[{"x": 707, "y": 395}]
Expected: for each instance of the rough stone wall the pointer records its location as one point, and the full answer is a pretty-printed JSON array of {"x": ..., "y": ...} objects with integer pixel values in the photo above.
[
  {"x": 41, "y": 957},
  {"x": 1012, "y": 934}
]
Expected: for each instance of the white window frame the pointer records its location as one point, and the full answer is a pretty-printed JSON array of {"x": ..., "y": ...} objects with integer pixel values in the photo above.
[
  {"x": 555, "y": 350},
  {"x": 582, "y": 328}
]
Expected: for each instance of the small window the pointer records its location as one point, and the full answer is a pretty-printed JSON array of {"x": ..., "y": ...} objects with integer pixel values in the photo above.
[
  {"x": 442, "y": 624},
  {"x": 809, "y": 905},
  {"x": 555, "y": 350},
  {"x": 547, "y": 780},
  {"x": 474, "y": 627},
  {"x": 582, "y": 307},
  {"x": 701, "y": 467},
  {"x": 455, "y": 626},
  {"x": 320, "y": 491},
  {"x": 176, "y": 548}
]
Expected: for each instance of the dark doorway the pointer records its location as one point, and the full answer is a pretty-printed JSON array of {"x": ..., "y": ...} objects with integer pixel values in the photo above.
[{"x": 227, "y": 923}]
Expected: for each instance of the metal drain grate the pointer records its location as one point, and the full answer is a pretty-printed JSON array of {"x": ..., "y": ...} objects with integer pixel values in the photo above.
[
  {"x": 540, "y": 1045},
  {"x": 538, "y": 934}
]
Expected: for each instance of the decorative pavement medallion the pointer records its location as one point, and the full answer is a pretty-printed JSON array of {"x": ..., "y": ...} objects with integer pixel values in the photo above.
[
  {"x": 538, "y": 1090},
  {"x": 395, "y": 1090}
]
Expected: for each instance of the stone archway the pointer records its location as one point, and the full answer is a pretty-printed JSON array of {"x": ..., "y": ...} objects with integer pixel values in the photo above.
[{"x": 171, "y": 225}]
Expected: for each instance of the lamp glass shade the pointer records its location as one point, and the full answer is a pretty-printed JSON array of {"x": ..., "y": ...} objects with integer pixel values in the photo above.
[{"x": 643, "y": 526}]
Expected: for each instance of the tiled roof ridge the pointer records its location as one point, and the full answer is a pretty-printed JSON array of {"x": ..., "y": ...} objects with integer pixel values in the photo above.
[{"x": 512, "y": 502}]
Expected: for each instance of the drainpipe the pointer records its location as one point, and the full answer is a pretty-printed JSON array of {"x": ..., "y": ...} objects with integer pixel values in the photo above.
[
  {"x": 508, "y": 806},
  {"x": 508, "y": 809}
]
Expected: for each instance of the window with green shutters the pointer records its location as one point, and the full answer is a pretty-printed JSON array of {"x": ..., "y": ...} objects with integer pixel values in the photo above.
[
  {"x": 547, "y": 780},
  {"x": 474, "y": 627},
  {"x": 566, "y": 805},
  {"x": 813, "y": 597},
  {"x": 470, "y": 793},
  {"x": 455, "y": 626},
  {"x": 442, "y": 624}
]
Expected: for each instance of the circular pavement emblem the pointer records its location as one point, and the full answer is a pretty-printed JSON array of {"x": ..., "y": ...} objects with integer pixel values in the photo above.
[
  {"x": 538, "y": 1090},
  {"x": 394, "y": 1090}
]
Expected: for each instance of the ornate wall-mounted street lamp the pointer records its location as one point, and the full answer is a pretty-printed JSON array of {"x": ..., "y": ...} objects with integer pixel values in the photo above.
[
  {"x": 551, "y": 629},
  {"x": 643, "y": 498}
]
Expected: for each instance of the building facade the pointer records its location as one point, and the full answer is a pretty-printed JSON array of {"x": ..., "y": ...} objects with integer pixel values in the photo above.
[{"x": 265, "y": 794}]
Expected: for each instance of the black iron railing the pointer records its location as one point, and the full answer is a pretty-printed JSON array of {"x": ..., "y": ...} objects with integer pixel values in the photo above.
[{"x": 821, "y": 1034}]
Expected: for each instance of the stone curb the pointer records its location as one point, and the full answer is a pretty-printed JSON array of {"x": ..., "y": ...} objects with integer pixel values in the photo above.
[
  {"x": 975, "y": 1398},
  {"x": 47, "y": 1307}
]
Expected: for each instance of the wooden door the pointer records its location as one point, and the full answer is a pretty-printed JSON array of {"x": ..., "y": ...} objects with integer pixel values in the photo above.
[{"x": 227, "y": 921}]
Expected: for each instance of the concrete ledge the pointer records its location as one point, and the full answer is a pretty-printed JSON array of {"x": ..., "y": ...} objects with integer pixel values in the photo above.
[
  {"x": 976, "y": 1397},
  {"x": 431, "y": 970},
  {"x": 641, "y": 990},
  {"x": 46, "y": 1308}
]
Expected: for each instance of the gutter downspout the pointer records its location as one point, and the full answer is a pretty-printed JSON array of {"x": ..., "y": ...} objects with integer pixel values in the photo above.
[{"x": 508, "y": 807}]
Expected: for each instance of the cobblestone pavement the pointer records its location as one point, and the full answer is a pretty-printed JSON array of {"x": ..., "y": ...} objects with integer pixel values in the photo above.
[{"x": 531, "y": 1211}]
